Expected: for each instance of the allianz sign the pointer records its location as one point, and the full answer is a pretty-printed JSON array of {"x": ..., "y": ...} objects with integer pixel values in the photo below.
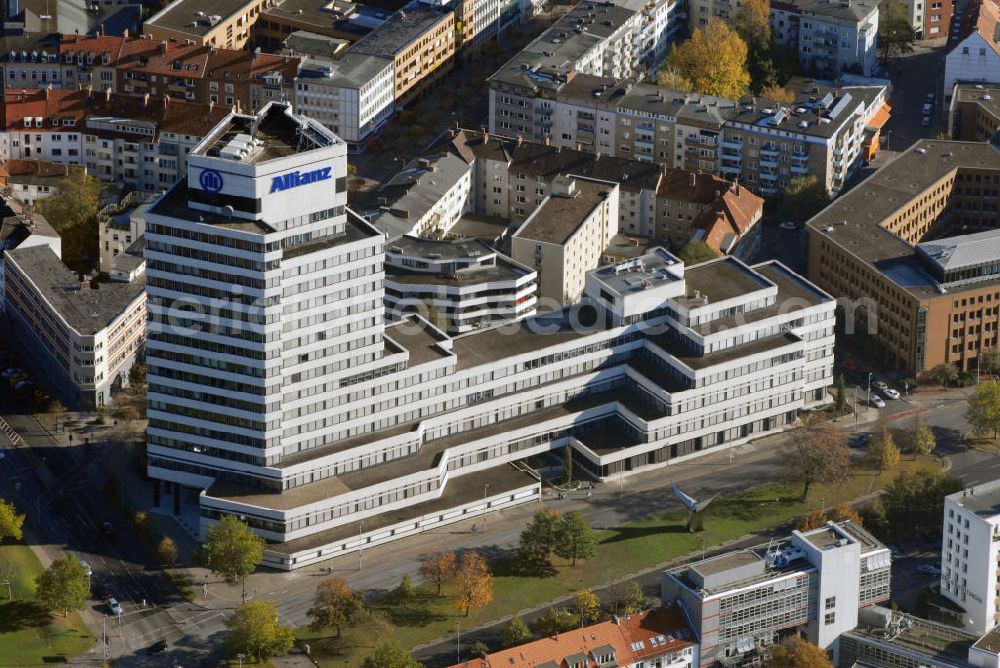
[{"x": 296, "y": 179}]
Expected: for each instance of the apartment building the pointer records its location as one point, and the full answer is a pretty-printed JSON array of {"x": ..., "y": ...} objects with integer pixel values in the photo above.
[
  {"x": 83, "y": 340},
  {"x": 565, "y": 237},
  {"x": 659, "y": 637},
  {"x": 974, "y": 114},
  {"x": 491, "y": 19},
  {"x": 120, "y": 226},
  {"x": 420, "y": 41},
  {"x": 976, "y": 58},
  {"x": 813, "y": 583},
  {"x": 341, "y": 20},
  {"x": 457, "y": 284},
  {"x": 30, "y": 181},
  {"x": 294, "y": 405},
  {"x": 353, "y": 96},
  {"x": 826, "y": 132},
  {"x": 925, "y": 302},
  {"x": 131, "y": 140},
  {"x": 219, "y": 23},
  {"x": 425, "y": 198}
]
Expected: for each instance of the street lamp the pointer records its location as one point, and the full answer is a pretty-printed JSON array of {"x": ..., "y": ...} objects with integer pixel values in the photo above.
[
  {"x": 486, "y": 487},
  {"x": 239, "y": 657},
  {"x": 869, "y": 399}
]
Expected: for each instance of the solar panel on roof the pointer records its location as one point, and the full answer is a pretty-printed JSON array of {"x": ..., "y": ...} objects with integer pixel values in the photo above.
[
  {"x": 826, "y": 101},
  {"x": 778, "y": 117}
]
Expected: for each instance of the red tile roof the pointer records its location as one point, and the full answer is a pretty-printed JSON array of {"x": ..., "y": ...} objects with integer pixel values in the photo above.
[
  {"x": 986, "y": 23},
  {"x": 729, "y": 218},
  {"x": 169, "y": 115},
  {"x": 685, "y": 186},
  {"x": 639, "y": 637}
]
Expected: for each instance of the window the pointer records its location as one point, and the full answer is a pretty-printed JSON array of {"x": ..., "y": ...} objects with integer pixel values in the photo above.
[
  {"x": 829, "y": 618},
  {"x": 830, "y": 603}
]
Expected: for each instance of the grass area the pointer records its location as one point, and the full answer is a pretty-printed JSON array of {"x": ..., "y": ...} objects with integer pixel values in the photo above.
[
  {"x": 30, "y": 636},
  {"x": 623, "y": 550},
  {"x": 180, "y": 581}
]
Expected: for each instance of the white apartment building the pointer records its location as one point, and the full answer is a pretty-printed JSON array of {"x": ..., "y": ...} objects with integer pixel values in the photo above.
[
  {"x": 426, "y": 198},
  {"x": 292, "y": 404},
  {"x": 565, "y": 237},
  {"x": 353, "y": 96},
  {"x": 83, "y": 340},
  {"x": 119, "y": 226},
  {"x": 742, "y": 603},
  {"x": 970, "y": 547},
  {"x": 976, "y": 59},
  {"x": 457, "y": 284}
]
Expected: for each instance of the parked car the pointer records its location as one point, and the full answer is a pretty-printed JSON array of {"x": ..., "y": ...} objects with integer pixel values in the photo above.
[
  {"x": 877, "y": 401},
  {"x": 115, "y": 607},
  {"x": 87, "y": 570},
  {"x": 890, "y": 393},
  {"x": 860, "y": 440},
  {"x": 925, "y": 121},
  {"x": 23, "y": 385},
  {"x": 156, "y": 647},
  {"x": 928, "y": 569},
  {"x": 11, "y": 372},
  {"x": 928, "y": 108},
  {"x": 789, "y": 225},
  {"x": 880, "y": 385}
]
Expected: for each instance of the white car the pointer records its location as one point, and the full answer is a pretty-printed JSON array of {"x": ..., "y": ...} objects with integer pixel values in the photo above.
[
  {"x": 877, "y": 401},
  {"x": 788, "y": 225},
  {"x": 115, "y": 607},
  {"x": 890, "y": 393},
  {"x": 87, "y": 570},
  {"x": 880, "y": 385}
]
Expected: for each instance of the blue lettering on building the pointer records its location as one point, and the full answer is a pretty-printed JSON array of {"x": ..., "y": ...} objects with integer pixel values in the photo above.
[
  {"x": 296, "y": 179},
  {"x": 210, "y": 180}
]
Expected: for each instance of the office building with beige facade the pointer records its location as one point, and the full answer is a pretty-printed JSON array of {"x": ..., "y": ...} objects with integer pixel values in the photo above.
[
  {"x": 974, "y": 114},
  {"x": 220, "y": 23},
  {"x": 565, "y": 237},
  {"x": 83, "y": 340},
  {"x": 913, "y": 255}
]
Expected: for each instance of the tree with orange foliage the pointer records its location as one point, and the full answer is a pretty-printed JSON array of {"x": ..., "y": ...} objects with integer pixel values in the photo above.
[
  {"x": 475, "y": 582},
  {"x": 438, "y": 568},
  {"x": 811, "y": 520},
  {"x": 798, "y": 653},
  {"x": 843, "y": 512},
  {"x": 335, "y": 605}
]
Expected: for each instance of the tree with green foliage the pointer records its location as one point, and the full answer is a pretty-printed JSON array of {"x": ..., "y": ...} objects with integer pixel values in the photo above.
[
  {"x": 798, "y": 653},
  {"x": 516, "y": 632},
  {"x": 714, "y": 60},
  {"x": 10, "y": 521},
  {"x": 914, "y": 501},
  {"x": 75, "y": 201},
  {"x": 254, "y": 631},
  {"x": 575, "y": 539},
  {"x": 840, "y": 397},
  {"x": 137, "y": 376},
  {"x": 923, "y": 438},
  {"x": 233, "y": 550},
  {"x": 405, "y": 593},
  {"x": 390, "y": 654},
  {"x": 895, "y": 32},
  {"x": 635, "y": 599},
  {"x": 538, "y": 539},
  {"x": 697, "y": 251},
  {"x": 820, "y": 454},
  {"x": 942, "y": 374},
  {"x": 479, "y": 649},
  {"x": 335, "y": 605},
  {"x": 804, "y": 197},
  {"x": 63, "y": 585},
  {"x": 554, "y": 622},
  {"x": 983, "y": 410}
]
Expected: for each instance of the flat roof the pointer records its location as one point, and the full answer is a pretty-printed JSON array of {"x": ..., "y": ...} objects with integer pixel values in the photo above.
[
  {"x": 507, "y": 341},
  {"x": 823, "y": 537},
  {"x": 854, "y": 221},
  {"x": 722, "y": 279},
  {"x": 852, "y": 10},
  {"x": 560, "y": 216},
  {"x": 650, "y": 269},
  {"x": 504, "y": 270},
  {"x": 86, "y": 310},
  {"x": 419, "y": 339},
  {"x": 401, "y": 29},
  {"x": 353, "y": 70},
  {"x": 725, "y": 562},
  {"x": 192, "y": 16},
  {"x": 985, "y": 503},
  {"x": 986, "y": 95},
  {"x": 819, "y": 110},
  {"x": 275, "y": 132},
  {"x": 990, "y": 642},
  {"x": 926, "y": 637}
]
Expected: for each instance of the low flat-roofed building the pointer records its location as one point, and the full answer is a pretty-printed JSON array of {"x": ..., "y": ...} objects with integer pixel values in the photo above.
[
  {"x": 864, "y": 249},
  {"x": 303, "y": 43},
  {"x": 975, "y": 111},
  {"x": 333, "y": 19},
  {"x": 121, "y": 226},
  {"x": 353, "y": 95},
  {"x": 32, "y": 180},
  {"x": 457, "y": 284},
  {"x": 220, "y": 23},
  {"x": 887, "y": 638},
  {"x": 741, "y": 603},
  {"x": 425, "y": 198},
  {"x": 566, "y": 235},
  {"x": 82, "y": 339}
]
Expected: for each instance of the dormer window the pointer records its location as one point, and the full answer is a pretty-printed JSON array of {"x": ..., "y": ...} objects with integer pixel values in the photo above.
[
  {"x": 27, "y": 121},
  {"x": 69, "y": 57}
]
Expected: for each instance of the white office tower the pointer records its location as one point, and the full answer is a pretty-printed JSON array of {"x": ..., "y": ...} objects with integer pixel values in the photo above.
[
  {"x": 277, "y": 394},
  {"x": 970, "y": 548}
]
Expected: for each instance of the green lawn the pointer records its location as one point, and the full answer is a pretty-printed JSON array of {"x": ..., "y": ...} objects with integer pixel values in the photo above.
[
  {"x": 622, "y": 551},
  {"x": 30, "y": 636}
]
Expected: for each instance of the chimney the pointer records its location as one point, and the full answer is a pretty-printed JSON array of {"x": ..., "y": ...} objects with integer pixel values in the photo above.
[
  {"x": 548, "y": 141},
  {"x": 694, "y": 179},
  {"x": 520, "y": 139},
  {"x": 145, "y": 100},
  {"x": 90, "y": 89},
  {"x": 597, "y": 156},
  {"x": 100, "y": 30},
  {"x": 663, "y": 168},
  {"x": 486, "y": 135},
  {"x": 125, "y": 33},
  {"x": 163, "y": 47},
  {"x": 107, "y": 94},
  {"x": 211, "y": 105},
  {"x": 579, "y": 146}
]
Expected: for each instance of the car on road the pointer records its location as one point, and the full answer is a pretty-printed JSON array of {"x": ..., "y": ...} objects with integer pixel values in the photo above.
[
  {"x": 859, "y": 440},
  {"x": 114, "y": 606},
  {"x": 928, "y": 108},
  {"x": 87, "y": 570},
  {"x": 23, "y": 385},
  {"x": 877, "y": 401},
  {"x": 925, "y": 121},
  {"x": 789, "y": 225},
  {"x": 11, "y": 372},
  {"x": 156, "y": 647},
  {"x": 928, "y": 569},
  {"x": 108, "y": 530},
  {"x": 880, "y": 385},
  {"x": 890, "y": 393}
]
